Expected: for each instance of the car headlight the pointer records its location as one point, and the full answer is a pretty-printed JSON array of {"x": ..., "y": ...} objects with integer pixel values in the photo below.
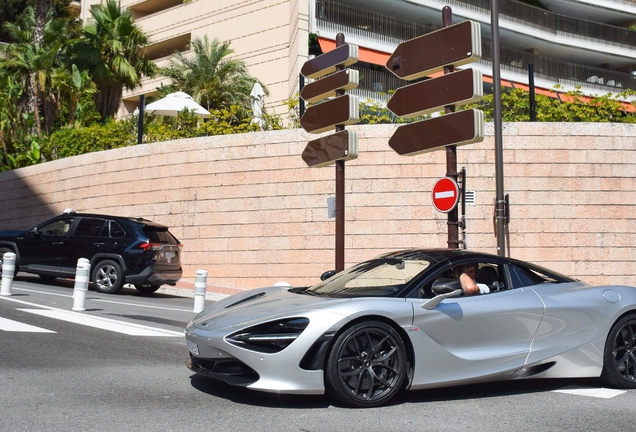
[{"x": 271, "y": 337}]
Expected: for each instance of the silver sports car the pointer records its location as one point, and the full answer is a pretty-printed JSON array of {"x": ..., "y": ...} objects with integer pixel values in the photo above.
[{"x": 400, "y": 321}]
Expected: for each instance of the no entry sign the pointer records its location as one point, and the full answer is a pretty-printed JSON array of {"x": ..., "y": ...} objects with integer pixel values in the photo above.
[{"x": 445, "y": 194}]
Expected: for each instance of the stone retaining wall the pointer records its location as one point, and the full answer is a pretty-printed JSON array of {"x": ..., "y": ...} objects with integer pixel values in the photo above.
[{"x": 251, "y": 212}]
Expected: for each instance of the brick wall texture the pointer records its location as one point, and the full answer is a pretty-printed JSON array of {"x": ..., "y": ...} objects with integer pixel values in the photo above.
[{"x": 251, "y": 213}]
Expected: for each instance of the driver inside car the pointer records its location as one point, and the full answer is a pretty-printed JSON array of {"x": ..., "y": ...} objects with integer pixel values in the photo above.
[{"x": 466, "y": 275}]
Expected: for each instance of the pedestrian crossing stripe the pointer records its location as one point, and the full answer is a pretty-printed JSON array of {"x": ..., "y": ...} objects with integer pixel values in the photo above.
[
  {"x": 103, "y": 323},
  {"x": 16, "y": 326},
  {"x": 603, "y": 393}
]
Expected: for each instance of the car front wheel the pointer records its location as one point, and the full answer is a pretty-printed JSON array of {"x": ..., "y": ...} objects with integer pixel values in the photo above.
[
  {"x": 619, "y": 362},
  {"x": 108, "y": 277},
  {"x": 367, "y": 365}
]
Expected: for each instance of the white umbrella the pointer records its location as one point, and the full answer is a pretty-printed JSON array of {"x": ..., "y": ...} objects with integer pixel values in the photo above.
[
  {"x": 257, "y": 96},
  {"x": 174, "y": 103}
]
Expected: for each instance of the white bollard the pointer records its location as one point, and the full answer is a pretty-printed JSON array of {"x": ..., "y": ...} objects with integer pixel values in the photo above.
[
  {"x": 8, "y": 271},
  {"x": 81, "y": 284},
  {"x": 200, "y": 286}
]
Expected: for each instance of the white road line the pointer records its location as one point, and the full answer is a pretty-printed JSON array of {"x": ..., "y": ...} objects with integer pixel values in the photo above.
[
  {"x": 103, "y": 323},
  {"x": 603, "y": 393},
  {"x": 15, "y": 326},
  {"x": 105, "y": 301}
]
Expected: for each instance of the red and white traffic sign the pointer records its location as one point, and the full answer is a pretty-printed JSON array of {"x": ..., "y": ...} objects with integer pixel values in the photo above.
[{"x": 445, "y": 194}]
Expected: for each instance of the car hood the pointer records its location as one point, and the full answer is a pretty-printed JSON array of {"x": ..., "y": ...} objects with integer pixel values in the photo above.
[
  {"x": 11, "y": 233},
  {"x": 258, "y": 305}
]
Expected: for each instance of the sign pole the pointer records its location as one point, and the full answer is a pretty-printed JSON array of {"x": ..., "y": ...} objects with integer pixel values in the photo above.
[
  {"x": 340, "y": 186},
  {"x": 500, "y": 216},
  {"x": 451, "y": 151}
]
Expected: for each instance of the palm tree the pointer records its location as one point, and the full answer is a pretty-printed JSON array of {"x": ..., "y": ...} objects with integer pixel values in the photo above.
[
  {"x": 210, "y": 77},
  {"x": 31, "y": 63},
  {"x": 112, "y": 51}
]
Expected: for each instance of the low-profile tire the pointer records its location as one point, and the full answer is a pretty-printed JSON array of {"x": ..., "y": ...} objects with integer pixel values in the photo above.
[
  {"x": 147, "y": 289},
  {"x": 619, "y": 359},
  {"x": 107, "y": 277},
  {"x": 366, "y": 365}
]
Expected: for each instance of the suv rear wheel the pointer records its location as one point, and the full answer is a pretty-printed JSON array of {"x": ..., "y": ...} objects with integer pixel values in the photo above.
[{"x": 108, "y": 277}]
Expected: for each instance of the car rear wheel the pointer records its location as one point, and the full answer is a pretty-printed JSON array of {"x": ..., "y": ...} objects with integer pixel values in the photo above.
[
  {"x": 108, "y": 277},
  {"x": 619, "y": 363},
  {"x": 366, "y": 365},
  {"x": 147, "y": 289}
]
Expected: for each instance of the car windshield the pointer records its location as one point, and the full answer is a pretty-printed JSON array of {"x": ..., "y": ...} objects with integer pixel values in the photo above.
[{"x": 383, "y": 277}]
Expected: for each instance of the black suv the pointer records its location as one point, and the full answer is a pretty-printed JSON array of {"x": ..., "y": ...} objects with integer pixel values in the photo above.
[{"x": 121, "y": 250}]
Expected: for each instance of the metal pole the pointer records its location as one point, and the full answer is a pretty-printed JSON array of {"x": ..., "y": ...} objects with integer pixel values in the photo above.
[
  {"x": 533, "y": 104},
  {"x": 140, "y": 127},
  {"x": 301, "y": 101},
  {"x": 499, "y": 175},
  {"x": 451, "y": 152},
  {"x": 340, "y": 188}
]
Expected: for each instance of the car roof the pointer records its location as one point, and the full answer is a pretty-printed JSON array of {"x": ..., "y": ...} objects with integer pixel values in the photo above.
[
  {"x": 137, "y": 220},
  {"x": 458, "y": 256}
]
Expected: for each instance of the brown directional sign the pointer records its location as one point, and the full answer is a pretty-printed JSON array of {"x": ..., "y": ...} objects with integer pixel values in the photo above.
[
  {"x": 342, "y": 110},
  {"x": 459, "y": 88},
  {"x": 327, "y": 150},
  {"x": 454, "y": 45},
  {"x": 458, "y": 128},
  {"x": 326, "y": 63},
  {"x": 327, "y": 86}
]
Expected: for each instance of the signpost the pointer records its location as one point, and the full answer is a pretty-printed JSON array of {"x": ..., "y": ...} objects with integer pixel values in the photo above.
[
  {"x": 445, "y": 194},
  {"x": 452, "y": 45},
  {"x": 335, "y": 113},
  {"x": 444, "y": 49}
]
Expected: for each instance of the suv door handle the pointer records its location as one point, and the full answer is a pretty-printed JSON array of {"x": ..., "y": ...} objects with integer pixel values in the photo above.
[
  {"x": 98, "y": 244},
  {"x": 58, "y": 243}
]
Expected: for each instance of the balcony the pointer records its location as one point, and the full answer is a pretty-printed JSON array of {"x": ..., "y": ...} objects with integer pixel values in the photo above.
[{"x": 381, "y": 29}]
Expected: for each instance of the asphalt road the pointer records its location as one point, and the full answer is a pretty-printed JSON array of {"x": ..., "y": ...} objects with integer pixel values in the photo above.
[{"x": 75, "y": 371}]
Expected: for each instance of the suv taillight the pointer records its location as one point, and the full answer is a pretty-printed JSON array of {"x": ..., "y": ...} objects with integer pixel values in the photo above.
[{"x": 147, "y": 245}]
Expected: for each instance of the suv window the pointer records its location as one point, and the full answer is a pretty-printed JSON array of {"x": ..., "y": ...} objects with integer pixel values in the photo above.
[
  {"x": 115, "y": 230},
  {"x": 57, "y": 227},
  {"x": 159, "y": 236},
  {"x": 89, "y": 227}
]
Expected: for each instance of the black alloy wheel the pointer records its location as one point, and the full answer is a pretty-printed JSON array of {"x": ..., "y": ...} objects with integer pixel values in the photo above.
[
  {"x": 108, "y": 277},
  {"x": 619, "y": 363},
  {"x": 367, "y": 365}
]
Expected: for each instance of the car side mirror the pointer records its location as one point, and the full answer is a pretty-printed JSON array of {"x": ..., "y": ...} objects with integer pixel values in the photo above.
[
  {"x": 326, "y": 275},
  {"x": 445, "y": 286}
]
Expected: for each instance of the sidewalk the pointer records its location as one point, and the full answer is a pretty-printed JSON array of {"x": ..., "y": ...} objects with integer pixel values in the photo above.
[{"x": 185, "y": 288}]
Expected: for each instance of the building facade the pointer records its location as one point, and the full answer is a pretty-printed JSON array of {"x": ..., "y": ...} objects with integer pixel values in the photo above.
[{"x": 570, "y": 43}]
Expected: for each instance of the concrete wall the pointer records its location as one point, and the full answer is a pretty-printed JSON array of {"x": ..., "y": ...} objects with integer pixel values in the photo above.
[{"x": 250, "y": 212}]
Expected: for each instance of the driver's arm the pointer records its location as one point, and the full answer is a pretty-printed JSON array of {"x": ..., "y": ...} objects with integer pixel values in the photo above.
[{"x": 468, "y": 285}]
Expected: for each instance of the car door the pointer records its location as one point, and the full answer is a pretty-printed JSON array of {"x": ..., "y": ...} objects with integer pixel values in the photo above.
[
  {"x": 90, "y": 237},
  {"x": 470, "y": 337},
  {"x": 42, "y": 249}
]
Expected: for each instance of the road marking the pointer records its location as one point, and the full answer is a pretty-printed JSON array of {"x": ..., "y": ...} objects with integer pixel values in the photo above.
[
  {"x": 15, "y": 326},
  {"x": 603, "y": 393},
  {"x": 106, "y": 301},
  {"x": 103, "y": 323}
]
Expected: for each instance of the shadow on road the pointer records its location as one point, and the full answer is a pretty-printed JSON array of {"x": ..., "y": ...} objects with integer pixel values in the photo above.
[{"x": 250, "y": 397}]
